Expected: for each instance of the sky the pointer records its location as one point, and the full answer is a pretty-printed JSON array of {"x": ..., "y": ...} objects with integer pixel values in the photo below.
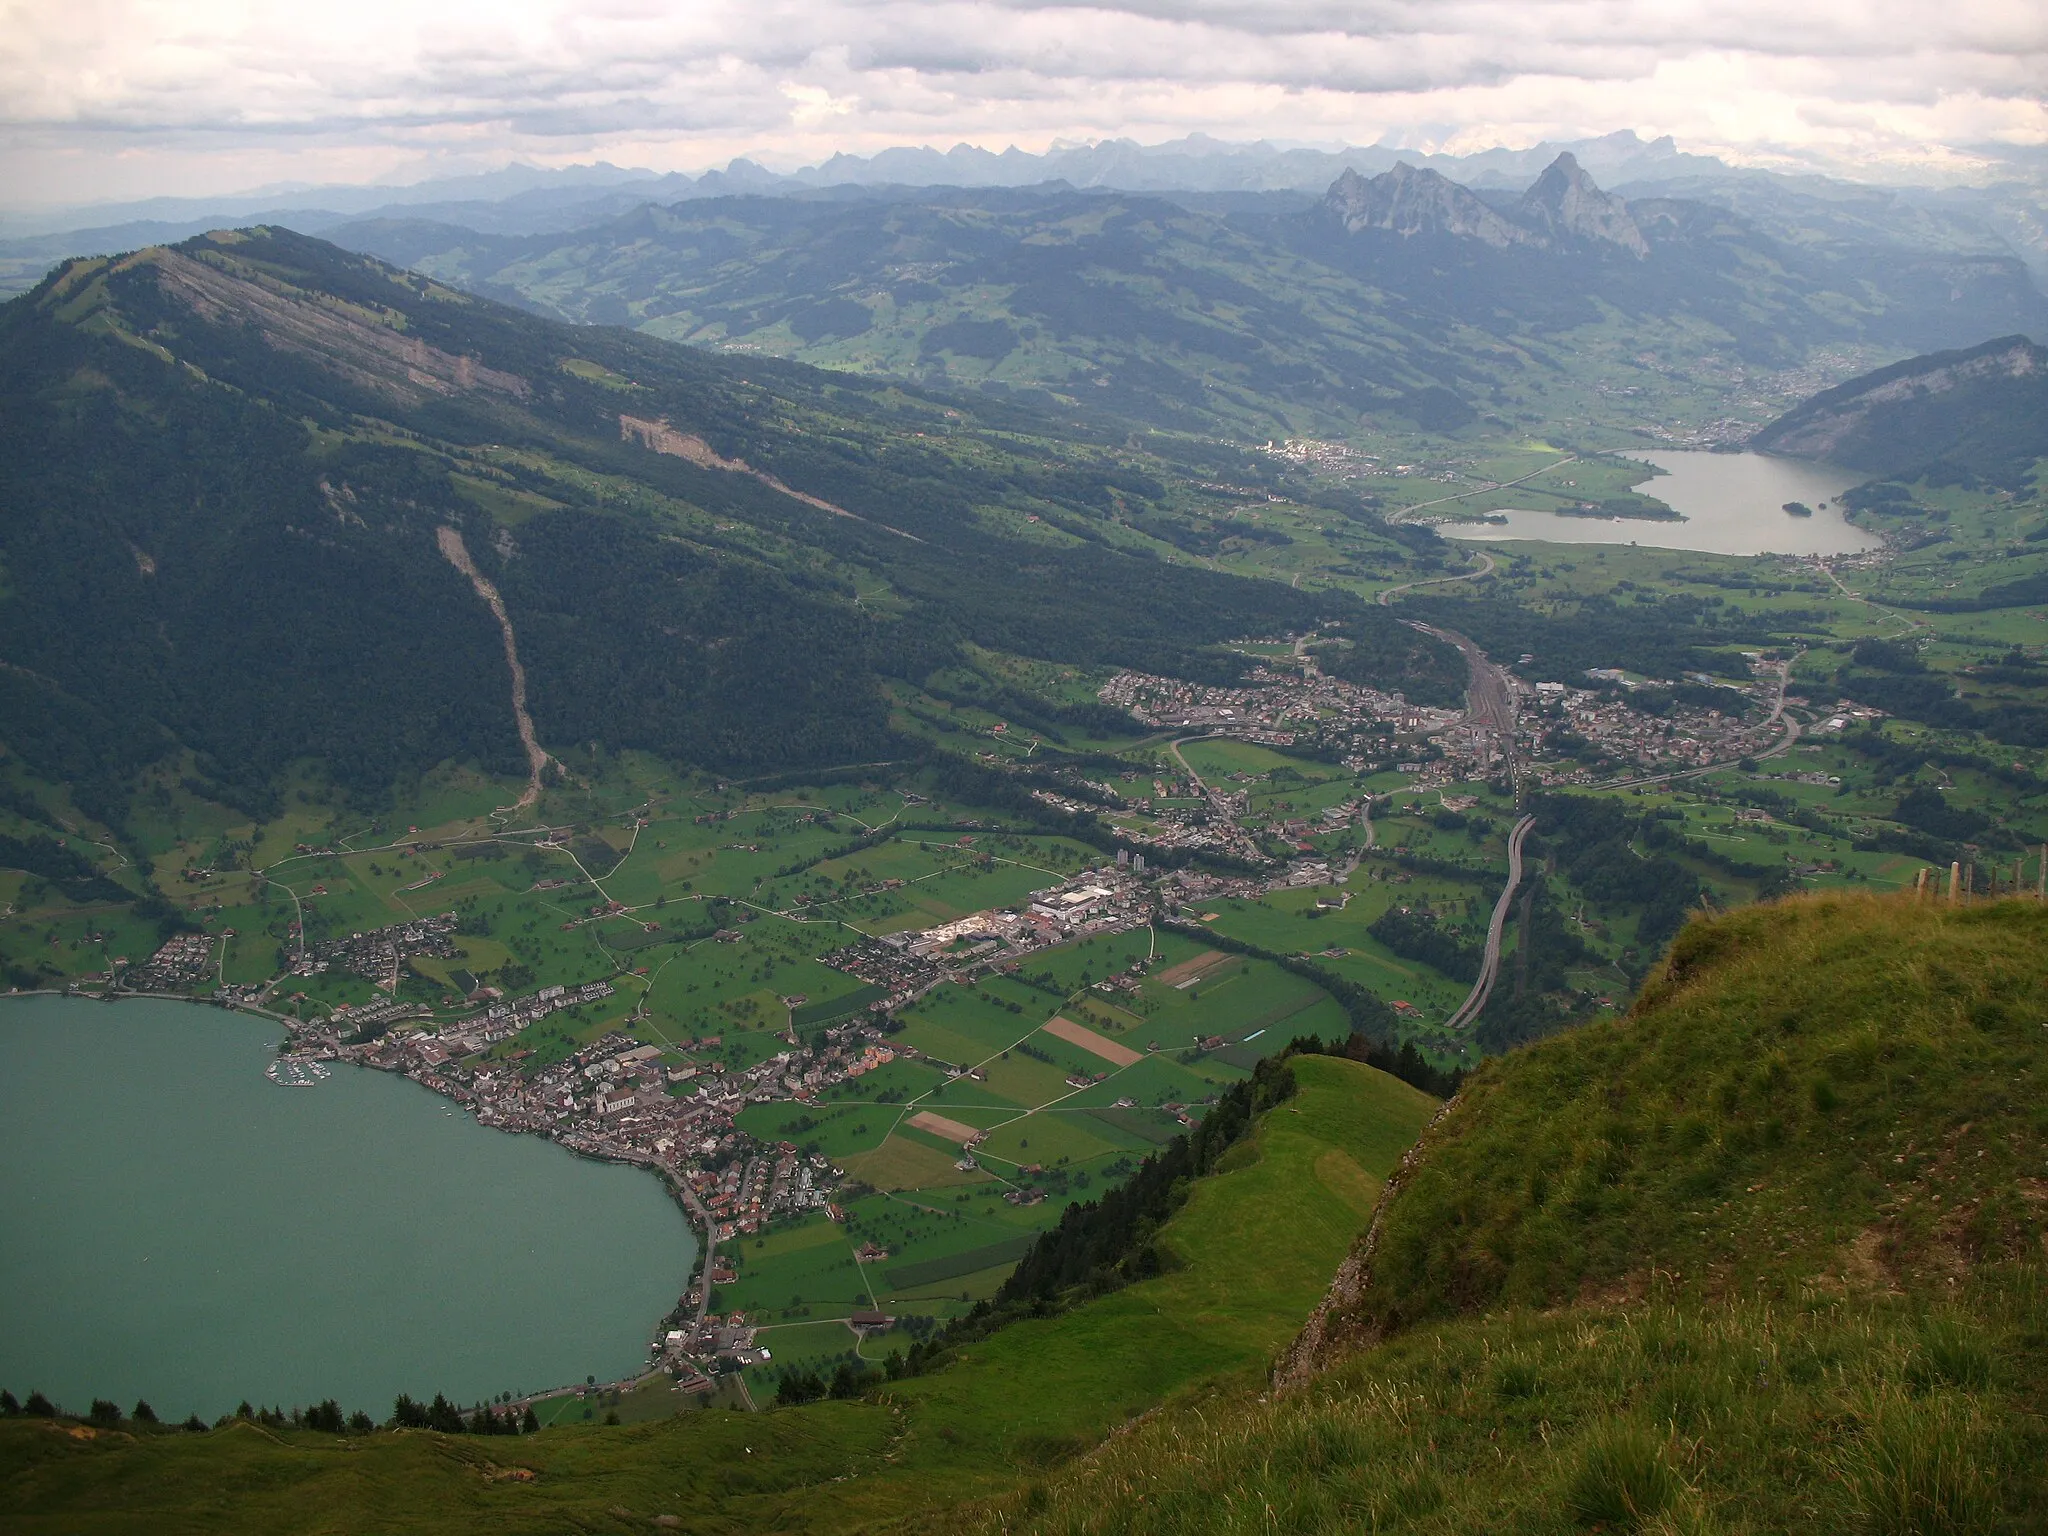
[{"x": 119, "y": 99}]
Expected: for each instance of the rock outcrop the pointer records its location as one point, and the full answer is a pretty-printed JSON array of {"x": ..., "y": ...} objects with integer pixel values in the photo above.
[
  {"x": 1566, "y": 206},
  {"x": 1415, "y": 204}
]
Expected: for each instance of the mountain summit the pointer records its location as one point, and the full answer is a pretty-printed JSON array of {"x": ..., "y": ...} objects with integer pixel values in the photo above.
[
  {"x": 1409, "y": 202},
  {"x": 1566, "y": 205}
]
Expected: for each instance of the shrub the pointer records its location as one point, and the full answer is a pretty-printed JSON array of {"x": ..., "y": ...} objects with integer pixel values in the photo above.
[{"x": 1515, "y": 1378}]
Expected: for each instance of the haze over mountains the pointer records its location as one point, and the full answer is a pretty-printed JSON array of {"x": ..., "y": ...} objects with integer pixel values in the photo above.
[
  {"x": 1252, "y": 313},
  {"x": 2007, "y": 217}
]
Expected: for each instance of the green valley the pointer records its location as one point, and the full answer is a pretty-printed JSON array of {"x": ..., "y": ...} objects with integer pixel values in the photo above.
[{"x": 1184, "y": 974}]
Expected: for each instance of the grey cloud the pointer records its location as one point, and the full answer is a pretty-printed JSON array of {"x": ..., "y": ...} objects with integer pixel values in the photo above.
[{"x": 1863, "y": 76}]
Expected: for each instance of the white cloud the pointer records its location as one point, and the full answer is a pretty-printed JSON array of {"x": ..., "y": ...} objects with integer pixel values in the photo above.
[{"x": 114, "y": 96}]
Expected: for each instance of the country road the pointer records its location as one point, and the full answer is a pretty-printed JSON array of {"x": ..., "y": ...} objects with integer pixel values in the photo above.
[
  {"x": 1489, "y": 964},
  {"x": 1401, "y": 514},
  {"x": 1386, "y": 596}
]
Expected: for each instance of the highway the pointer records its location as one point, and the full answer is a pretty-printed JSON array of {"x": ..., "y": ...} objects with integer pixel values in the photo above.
[
  {"x": 1386, "y": 597},
  {"x": 1489, "y": 964}
]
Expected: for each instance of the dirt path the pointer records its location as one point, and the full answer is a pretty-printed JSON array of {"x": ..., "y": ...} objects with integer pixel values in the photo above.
[{"x": 457, "y": 554}]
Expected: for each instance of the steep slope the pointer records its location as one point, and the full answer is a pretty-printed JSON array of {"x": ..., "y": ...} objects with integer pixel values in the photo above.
[
  {"x": 1984, "y": 410},
  {"x": 226, "y": 467},
  {"x": 1566, "y": 205},
  {"x": 1415, "y": 203},
  {"x": 1763, "y": 1256}
]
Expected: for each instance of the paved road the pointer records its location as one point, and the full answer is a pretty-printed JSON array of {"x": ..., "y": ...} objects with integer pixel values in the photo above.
[
  {"x": 688, "y": 1196},
  {"x": 1186, "y": 767},
  {"x": 1401, "y": 514},
  {"x": 1386, "y": 596},
  {"x": 1489, "y": 964}
]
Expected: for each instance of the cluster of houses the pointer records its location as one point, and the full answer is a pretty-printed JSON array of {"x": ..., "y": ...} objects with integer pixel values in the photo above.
[
  {"x": 1689, "y": 736},
  {"x": 502, "y": 1020},
  {"x": 381, "y": 953},
  {"x": 182, "y": 962},
  {"x": 1272, "y": 706},
  {"x": 908, "y": 965}
]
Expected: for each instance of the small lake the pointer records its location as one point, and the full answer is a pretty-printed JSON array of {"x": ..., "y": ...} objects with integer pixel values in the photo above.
[
  {"x": 176, "y": 1226},
  {"x": 1732, "y": 503}
]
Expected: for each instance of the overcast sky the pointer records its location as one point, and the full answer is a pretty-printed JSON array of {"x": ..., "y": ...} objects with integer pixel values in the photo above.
[{"x": 130, "y": 98}]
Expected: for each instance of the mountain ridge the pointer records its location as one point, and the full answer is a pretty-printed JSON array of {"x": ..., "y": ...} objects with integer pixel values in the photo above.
[
  {"x": 229, "y": 463},
  {"x": 1260, "y": 319},
  {"x": 1982, "y": 409}
]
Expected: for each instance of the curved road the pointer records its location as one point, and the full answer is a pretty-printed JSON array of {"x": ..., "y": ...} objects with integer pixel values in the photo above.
[
  {"x": 1385, "y": 598},
  {"x": 1489, "y": 965}
]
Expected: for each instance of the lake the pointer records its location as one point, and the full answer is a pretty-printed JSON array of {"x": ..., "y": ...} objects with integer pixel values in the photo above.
[
  {"x": 1733, "y": 504},
  {"x": 175, "y": 1226}
]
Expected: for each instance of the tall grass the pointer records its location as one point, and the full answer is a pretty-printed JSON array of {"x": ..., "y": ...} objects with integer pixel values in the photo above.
[{"x": 1922, "y": 1467}]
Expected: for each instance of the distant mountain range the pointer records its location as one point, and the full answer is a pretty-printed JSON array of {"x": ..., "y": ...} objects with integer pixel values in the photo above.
[{"x": 2009, "y": 218}]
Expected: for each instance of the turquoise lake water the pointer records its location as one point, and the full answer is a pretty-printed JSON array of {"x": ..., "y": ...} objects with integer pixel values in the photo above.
[{"x": 175, "y": 1226}]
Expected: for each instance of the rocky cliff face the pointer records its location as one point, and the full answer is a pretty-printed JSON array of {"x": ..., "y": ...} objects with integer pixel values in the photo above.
[
  {"x": 1566, "y": 206},
  {"x": 1563, "y": 210},
  {"x": 1415, "y": 203}
]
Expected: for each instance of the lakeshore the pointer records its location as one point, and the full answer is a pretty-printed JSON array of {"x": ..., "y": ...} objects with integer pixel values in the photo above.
[{"x": 212, "y": 1239}]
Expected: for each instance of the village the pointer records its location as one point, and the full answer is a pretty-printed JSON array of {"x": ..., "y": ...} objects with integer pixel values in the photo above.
[
  {"x": 1274, "y": 707},
  {"x": 1633, "y": 723},
  {"x": 672, "y": 1109}
]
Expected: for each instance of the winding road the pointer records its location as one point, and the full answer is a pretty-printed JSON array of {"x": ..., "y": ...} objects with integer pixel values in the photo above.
[
  {"x": 1386, "y": 597},
  {"x": 1489, "y": 965}
]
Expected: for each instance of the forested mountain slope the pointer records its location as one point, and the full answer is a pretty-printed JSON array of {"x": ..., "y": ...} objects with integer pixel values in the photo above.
[
  {"x": 226, "y": 467},
  {"x": 1981, "y": 411}
]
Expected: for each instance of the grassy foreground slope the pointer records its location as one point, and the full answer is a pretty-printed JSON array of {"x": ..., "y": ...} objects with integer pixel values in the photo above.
[
  {"x": 1258, "y": 1240},
  {"x": 1766, "y": 1255}
]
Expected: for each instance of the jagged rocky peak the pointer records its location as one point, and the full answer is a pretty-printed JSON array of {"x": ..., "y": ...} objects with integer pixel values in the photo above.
[
  {"x": 1409, "y": 202},
  {"x": 1566, "y": 205}
]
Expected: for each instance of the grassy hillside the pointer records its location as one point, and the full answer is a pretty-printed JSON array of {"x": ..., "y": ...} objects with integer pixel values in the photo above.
[
  {"x": 1258, "y": 1241},
  {"x": 1762, "y": 1256}
]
